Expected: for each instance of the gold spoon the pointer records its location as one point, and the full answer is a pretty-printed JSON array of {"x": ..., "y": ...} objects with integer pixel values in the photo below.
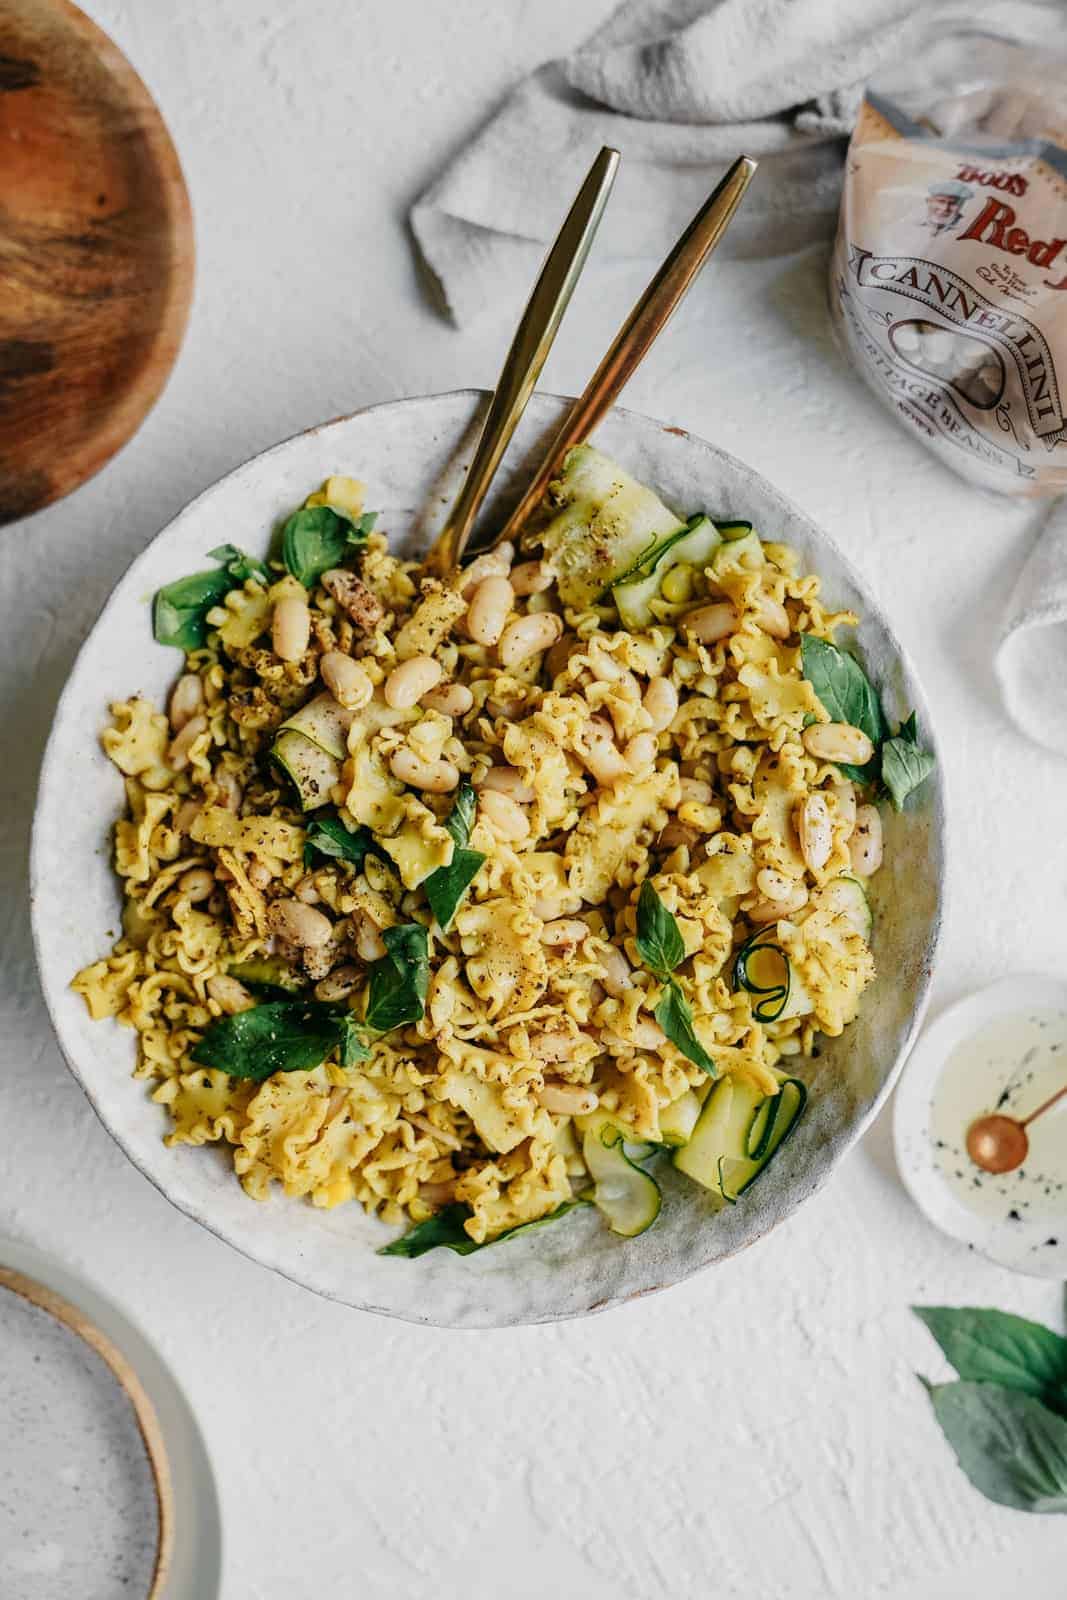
[
  {"x": 999, "y": 1144},
  {"x": 640, "y": 330},
  {"x": 528, "y": 353}
]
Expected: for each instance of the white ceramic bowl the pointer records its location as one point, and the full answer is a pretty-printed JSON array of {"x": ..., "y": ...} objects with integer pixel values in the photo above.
[
  {"x": 1037, "y": 1248},
  {"x": 412, "y": 455}
]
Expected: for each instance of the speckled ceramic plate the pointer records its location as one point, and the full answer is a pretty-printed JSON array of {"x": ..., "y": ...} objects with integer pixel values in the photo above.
[
  {"x": 1036, "y": 1247},
  {"x": 105, "y": 1485},
  {"x": 412, "y": 455}
]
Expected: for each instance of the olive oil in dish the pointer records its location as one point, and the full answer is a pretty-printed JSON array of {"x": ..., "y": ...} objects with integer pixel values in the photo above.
[{"x": 1009, "y": 1066}]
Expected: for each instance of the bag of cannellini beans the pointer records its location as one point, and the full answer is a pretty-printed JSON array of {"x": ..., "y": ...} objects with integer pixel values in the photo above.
[{"x": 948, "y": 287}]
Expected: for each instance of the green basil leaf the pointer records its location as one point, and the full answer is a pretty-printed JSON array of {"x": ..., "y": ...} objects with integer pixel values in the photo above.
[
  {"x": 659, "y": 943},
  {"x": 239, "y": 564},
  {"x": 909, "y": 729},
  {"x": 357, "y": 533},
  {"x": 318, "y": 538},
  {"x": 353, "y": 1047},
  {"x": 846, "y": 694},
  {"x": 676, "y": 1019},
  {"x": 904, "y": 766},
  {"x": 400, "y": 980},
  {"x": 1009, "y": 1445},
  {"x": 281, "y": 1036},
  {"x": 986, "y": 1346},
  {"x": 328, "y": 837},
  {"x": 179, "y": 610},
  {"x": 460, "y": 819},
  {"x": 445, "y": 1228},
  {"x": 446, "y": 887}
]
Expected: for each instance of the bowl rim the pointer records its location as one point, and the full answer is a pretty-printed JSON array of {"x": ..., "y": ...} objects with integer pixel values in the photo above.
[{"x": 250, "y": 1248}]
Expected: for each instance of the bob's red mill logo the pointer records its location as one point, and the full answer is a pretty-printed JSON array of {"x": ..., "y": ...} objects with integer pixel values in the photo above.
[{"x": 956, "y": 300}]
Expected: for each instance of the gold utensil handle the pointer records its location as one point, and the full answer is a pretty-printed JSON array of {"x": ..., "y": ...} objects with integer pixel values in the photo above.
[
  {"x": 641, "y": 328},
  {"x": 529, "y": 351}
]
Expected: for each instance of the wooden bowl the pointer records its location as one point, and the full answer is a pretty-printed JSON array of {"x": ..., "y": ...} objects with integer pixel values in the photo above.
[{"x": 96, "y": 252}]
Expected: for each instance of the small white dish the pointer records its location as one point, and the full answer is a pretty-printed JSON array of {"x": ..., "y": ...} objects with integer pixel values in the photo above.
[
  {"x": 1035, "y": 1245},
  {"x": 413, "y": 455},
  {"x": 105, "y": 1483}
]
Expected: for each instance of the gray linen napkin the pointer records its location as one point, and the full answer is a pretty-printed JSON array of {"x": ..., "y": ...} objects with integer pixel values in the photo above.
[
  {"x": 1031, "y": 657},
  {"x": 681, "y": 87}
]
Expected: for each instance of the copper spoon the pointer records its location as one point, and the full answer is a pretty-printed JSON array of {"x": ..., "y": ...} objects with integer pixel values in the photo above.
[
  {"x": 638, "y": 333},
  {"x": 999, "y": 1144}
]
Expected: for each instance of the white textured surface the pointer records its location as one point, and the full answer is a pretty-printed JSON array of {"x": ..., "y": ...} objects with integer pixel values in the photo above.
[{"x": 757, "y": 1431}]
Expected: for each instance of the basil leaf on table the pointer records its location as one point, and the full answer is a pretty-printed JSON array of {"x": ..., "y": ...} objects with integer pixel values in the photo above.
[
  {"x": 317, "y": 538},
  {"x": 445, "y": 1228},
  {"x": 179, "y": 609},
  {"x": 280, "y": 1036},
  {"x": 846, "y": 694},
  {"x": 399, "y": 982},
  {"x": 987, "y": 1346},
  {"x": 904, "y": 765},
  {"x": 328, "y": 836},
  {"x": 659, "y": 943},
  {"x": 446, "y": 887},
  {"x": 676, "y": 1019},
  {"x": 1010, "y": 1446}
]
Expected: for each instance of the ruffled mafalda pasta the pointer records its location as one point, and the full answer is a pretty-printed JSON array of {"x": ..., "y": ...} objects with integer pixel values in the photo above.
[{"x": 465, "y": 900}]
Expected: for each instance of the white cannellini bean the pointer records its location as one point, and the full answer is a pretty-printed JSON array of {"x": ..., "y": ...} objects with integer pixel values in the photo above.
[
  {"x": 528, "y": 636},
  {"x": 259, "y": 874},
  {"x": 495, "y": 563},
  {"x": 182, "y": 743},
  {"x": 770, "y": 911},
  {"x": 781, "y": 895},
  {"x": 338, "y": 984},
  {"x": 186, "y": 815},
  {"x": 695, "y": 789},
  {"x": 509, "y": 781},
  {"x": 865, "y": 845},
  {"x": 229, "y": 994},
  {"x": 406, "y": 684},
  {"x": 186, "y": 698},
  {"x": 505, "y": 816},
  {"x": 837, "y": 741},
  {"x": 772, "y": 617},
  {"x": 641, "y": 751},
  {"x": 451, "y": 699},
  {"x": 290, "y": 627},
  {"x": 552, "y": 1044},
  {"x": 815, "y": 831},
  {"x": 600, "y": 753},
  {"x": 567, "y": 1100},
  {"x": 489, "y": 609},
  {"x": 367, "y": 939},
  {"x": 530, "y": 577},
  {"x": 845, "y": 795},
  {"x": 196, "y": 884},
  {"x": 230, "y": 793},
  {"x": 436, "y": 777},
  {"x": 306, "y": 890},
  {"x": 299, "y": 925},
  {"x": 347, "y": 681},
  {"x": 709, "y": 624},
  {"x": 648, "y": 1035},
  {"x": 616, "y": 973},
  {"x": 661, "y": 703},
  {"x": 604, "y": 667},
  {"x": 564, "y": 931}
]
